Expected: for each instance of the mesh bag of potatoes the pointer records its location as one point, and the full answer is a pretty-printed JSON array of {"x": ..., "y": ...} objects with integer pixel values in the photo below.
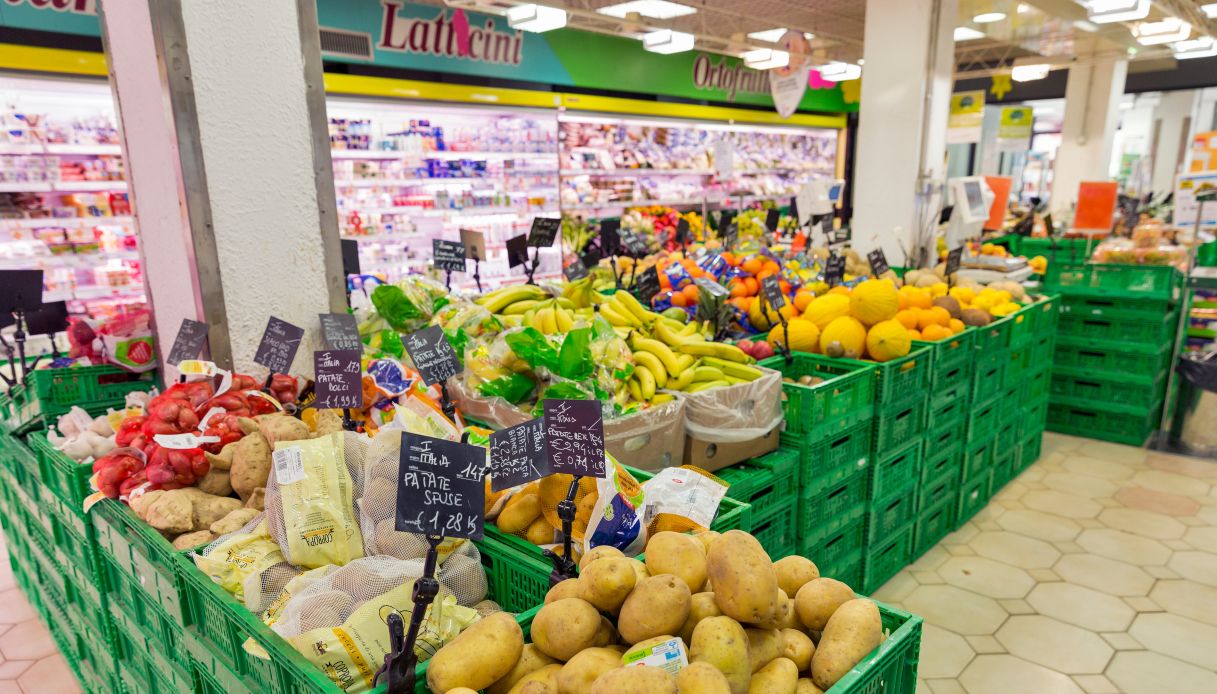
[
  {"x": 338, "y": 621},
  {"x": 704, "y": 613},
  {"x": 247, "y": 563}
]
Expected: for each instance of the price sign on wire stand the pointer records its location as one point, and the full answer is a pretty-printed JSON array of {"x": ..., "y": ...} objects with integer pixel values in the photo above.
[
  {"x": 574, "y": 435},
  {"x": 432, "y": 355},
  {"x": 339, "y": 384},
  {"x": 834, "y": 270},
  {"x": 648, "y": 285},
  {"x": 188, "y": 343},
  {"x": 576, "y": 270},
  {"x": 340, "y": 331},
  {"x": 610, "y": 238},
  {"x": 518, "y": 455},
  {"x": 448, "y": 256},
  {"x": 773, "y": 292},
  {"x": 772, "y": 218},
  {"x": 954, "y": 258},
  {"x": 878, "y": 262},
  {"x": 278, "y": 347},
  {"x": 517, "y": 251},
  {"x": 440, "y": 487},
  {"x": 543, "y": 232}
]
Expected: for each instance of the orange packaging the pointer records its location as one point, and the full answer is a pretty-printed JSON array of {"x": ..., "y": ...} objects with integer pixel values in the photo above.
[{"x": 1096, "y": 205}]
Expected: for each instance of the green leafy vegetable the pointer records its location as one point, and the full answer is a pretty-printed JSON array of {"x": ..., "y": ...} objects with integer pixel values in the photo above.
[
  {"x": 513, "y": 387},
  {"x": 575, "y": 359},
  {"x": 395, "y": 307}
]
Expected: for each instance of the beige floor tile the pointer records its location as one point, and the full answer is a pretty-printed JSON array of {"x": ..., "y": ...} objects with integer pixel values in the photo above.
[
  {"x": 1011, "y": 491},
  {"x": 956, "y": 609},
  {"x": 988, "y": 525},
  {"x": 1183, "y": 465},
  {"x": 1142, "y": 523},
  {"x": 1085, "y": 465},
  {"x": 1015, "y": 550},
  {"x": 1187, "y": 598},
  {"x": 1055, "y": 644},
  {"x": 1044, "y": 575},
  {"x": 28, "y": 640},
  {"x": 1108, "y": 502},
  {"x": 16, "y": 608},
  {"x": 1081, "y": 606},
  {"x": 1147, "y": 672},
  {"x": 986, "y": 577},
  {"x": 897, "y": 589},
  {"x": 1157, "y": 502},
  {"x": 1160, "y": 572},
  {"x": 1040, "y": 525},
  {"x": 928, "y": 578},
  {"x": 1197, "y": 566},
  {"x": 1101, "y": 573},
  {"x": 985, "y": 645},
  {"x": 931, "y": 560},
  {"x": 965, "y": 532},
  {"x": 50, "y": 674},
  {"x": 1142, "y": 603},
  {"x": 1061, "y": 504},
  {"x": 1121, "y": 641},
  {"x": 1115, "y": 452},
  {"x": 943, "y": 653},
  {"x": 1005, "y": 674},
  {"x": 12, "y": 669},
  {"x": 1068, "y": 547},
  {"x": 1177, "y": 545},
  {"x": 1183, "y": 638},
  {"x": 1117, "y": 544},
  {"x": 1171, "y": 483},
  {"x": 1202, "y": 538},
  {"x": 1096, "y": 684},
  {"x": 1090, "y": 523},
  {"x": 946, "y": 687},
  {"x": 1057, "y": 443},
  {"x": 1033, "y": 484},
  {"x": 10, "y": 687},
  {"x": 961, "y": 551},
  {"x": 1194, "y": 521},
  {"x": 1016, "y": 606},
  {"x": 1085, "y": 486}
]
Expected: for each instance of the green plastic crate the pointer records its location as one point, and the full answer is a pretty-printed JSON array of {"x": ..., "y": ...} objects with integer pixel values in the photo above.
[
  {"x": 1149, "y": 332},
  {"x": 950, "y": 416},
  {"x": 66, "y": 478},
  {"x": 1089, "y": 421},
  {"x": 934, "y": 523},
  {"x": 948, "y": 356},
  {"x": 977, "y": 458},
  {"x": 1029, "y": 450},
  {"x": 958, "y": 392},
  {"x": 1018, "y": 365},
  {"x": 58, "y": 390},
  {"x": 1022, "y": 325},
  {"x": 973, "y": 495},
  {"x": 942, "y": 455},
  {"x": 840, "y": 547},
  {"x": 1161, "y": 282},
  {"x": 776, "y": 532},
  {"x": 1132, "y": 364},
  {"x": 1054, "y": 248},
  {"x": 830, "y": 507},
  {"x": 895, "y": 471},
  {"x": 833, "y": 458},
  {"x": 983, "y": 421},
  {"x": 1005, "y": 468},
  {"x": 1037, "y": 385},
  {"x": 1113, "y": 308},
  {"x": 1047, "y": 313},
  {"x": 892, "y": 667},
  {"x": 1009, "y": 407},
  {"x": 18, "y": 408},
  {"x": 899, "y": 422},
  {"x": 993, "y": 337},
  {"x": 1006, "y": 439},
  {"x": 937, "y": 488},
  {"x": 131, "y": 610},
  {"x": 1115, "y": 393},
  {"x": 895, "y": 379},
  {"x": 989, "y": 377},
  {"x": 1035, "y": 417},
  {"x": 845, "y": 398},
  {"x": 887, "y": 558},
  {"x": 767, "y": 483},
  {"x": 142, "y": 554},
  {"x": 140, "y": 671},
  {"x": 888, "y": 516}
]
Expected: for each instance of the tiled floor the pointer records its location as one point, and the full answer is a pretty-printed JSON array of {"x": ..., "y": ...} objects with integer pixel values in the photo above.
[{"x": 1094, "y": 572}]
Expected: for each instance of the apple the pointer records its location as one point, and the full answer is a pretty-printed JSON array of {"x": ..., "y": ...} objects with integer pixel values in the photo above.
[{"x": 761, "y": 350}]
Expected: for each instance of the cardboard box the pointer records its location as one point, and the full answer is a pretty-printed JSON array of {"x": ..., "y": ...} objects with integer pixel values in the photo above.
[
  {"x": 649, "y": 440},
  {"x": 711, "y": 456}
]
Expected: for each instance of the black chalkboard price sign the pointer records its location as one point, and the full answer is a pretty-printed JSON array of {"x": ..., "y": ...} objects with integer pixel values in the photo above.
[
  {"x": 449, "y": 256},
  {"x": 440, "y": 487},
  {"x": 878, "y": 262},
  {"x": 517, "y": 251},
  {"x": 730, "y": 235},
  {"x": 574, "y": 435},
  {"x": 543, "y": 232},
  {"x": 834, "y": 270},
  {"x": 610, "y": 238},
  {"x": 954, "y": 258},
  {"x": 682, "y": 231},
  {"x": 340, "y": 331},
  {"x": 772, "y": 218},
  {"x": 773, "y": 292},
  {"x": 339, "y": 384},
  {"x": 278, "y": 347},
  {"x": 432, "y": 355},
  {"x": 188, "y": 343},
  {"x": 576, "y": 270},
  {"x": 647, "y": 286},
  {"x": 518, "y": 455}
]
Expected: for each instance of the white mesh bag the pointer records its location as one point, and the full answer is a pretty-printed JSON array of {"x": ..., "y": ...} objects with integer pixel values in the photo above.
[{"x": 248, "y": 564}]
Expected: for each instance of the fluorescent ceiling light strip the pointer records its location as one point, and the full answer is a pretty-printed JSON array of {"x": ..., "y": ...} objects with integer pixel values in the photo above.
[
  {"x": 968, "y": 34},
  {"x": 666, "y": 41},
  {"x": 1168, "y": 30},
  {"x": 1138, "y": 10},
  {"x": 989, "y": 17},
  {"x": 655, "y": 9},
  {"x": 1209, "y": 10},
  {"x": 770, "y": 35},
  {"x": 536, "y": 18},
  {"x": 840, "y": 72},
  {"x": 765, "y": 58},
  {"x": 1029, "y": 73},
  {"x": 1203, "y": 47}
]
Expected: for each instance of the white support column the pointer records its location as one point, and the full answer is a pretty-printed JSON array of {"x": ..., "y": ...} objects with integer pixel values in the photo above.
[
  {"x": 901, "y": 152},
  {"x": 231, "y": 171},
  {"x": 1173, "y": 119},
  {"x": 1092, "y": 113}
]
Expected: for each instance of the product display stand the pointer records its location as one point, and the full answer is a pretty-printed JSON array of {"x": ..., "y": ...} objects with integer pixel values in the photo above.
[
  {"x": 400, "y": 661},
  {"x": 446, "y": 403},
  {"x": 564, "y": 565},
  {"x": 477, "y": 269}
]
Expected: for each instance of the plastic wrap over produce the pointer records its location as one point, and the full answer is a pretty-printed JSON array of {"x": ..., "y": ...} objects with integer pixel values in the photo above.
[
  {"x": 652, "y": 439},
  {"x": 491, "y": 410},
  {"x": 740, "y": 412}
]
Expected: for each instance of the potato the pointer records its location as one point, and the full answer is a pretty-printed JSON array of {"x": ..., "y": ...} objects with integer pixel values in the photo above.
[
  {"x": 606, "y": 635},
  {"x": 678, "y": 554},
  {"x": 707, "y": 538},
  {"x": 658, "y": 605},
  {"x": 531, "y": 687},
  {"x": 192, "y": 540},
  {"x": 606, "y": 582},
  {"x": 531, "y": 660},
  {"x": 702, "y": 678},
  {"x": 783, "y": 615},
  {"x": 745, "y": 584},
  {"x": 722, "y": 642},
  {"x": 640, "y": 570},
  {"x": 582, "y": 670},
  {"x": 564, "y": 627},
  {"x": 565, "y": 589},
  {"x": 793, "y": 571},
  {"x": 583, "y": 510},
  {"x": 778, "y": 677},
  {"x": 798, "y": 647},
  {"x": 818, "y": 599},
  {"x": 461, "y": 690},
  {"x": 251, "y": 463},
  {"x": 701, "y": 606},
  {"x": 479, "y": 656},
  {"x": 764, "y": 645},
  {"x": 640, "y": 679},
  {"x": 542, "y": 681},
  {"x": 806, "y": 686},
  {"x": 540, "y": 532},
  {"x": 853, "y": 631},
  {"x": 598, "y": 552},
  {"x": 519, "y": 513}
]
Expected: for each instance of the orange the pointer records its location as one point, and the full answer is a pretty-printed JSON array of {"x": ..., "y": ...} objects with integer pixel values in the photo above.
[
  {"x": 902, "y": 300},
  {"x": 933, "y": 333},
  {"x": 956, "y": 325},
  {"x": 678, "y": 299},
  {"x": 730, "y": 258},
  {"x": 925, "y": 319},
  {"x": 909, "y": 317},
  {"x": 802, "y": 298},
  {"x": 752, "y": 266},
  {"x": 753, "y": 286},
  {"x": 941, "y": 315},
  {"x": 690, "y": 292},
  {"x": 914, "y": 334},
  {"x": 772, "y": 267},
  {"x": 665, "y": 282},
  {"x": 918, "y": 298},
  {"x": 738, "y": 288}
]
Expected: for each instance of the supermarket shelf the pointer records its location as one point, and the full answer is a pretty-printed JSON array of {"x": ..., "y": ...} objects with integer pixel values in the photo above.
[
  {"x": 396, "y": 154},
  {"x": 93, "y": 294},
  {"x": 625, "y": 204},
  {"x": 367, "y": 154},
  {"x": 60, "y": 186},
  {"x": 74, "y": 260},
  {"x": 57, "y": 148},
  {"x": 458, "y": 181},
  {"x": 25, "y": 187},
  {"x": 415, "y": 211},
  {"x": 570, "y": 173},
  {"x": 35, "y": 222},
  {"x": 386, "y": 238}
]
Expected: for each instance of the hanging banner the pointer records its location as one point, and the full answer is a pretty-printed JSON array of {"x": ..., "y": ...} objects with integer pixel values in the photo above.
[
  {"x": 966, "y": 117},
  {"x": 789, "y": 84},
  {"x": 1186, "y": 207},
  {"x": 1015, "y": 124}
]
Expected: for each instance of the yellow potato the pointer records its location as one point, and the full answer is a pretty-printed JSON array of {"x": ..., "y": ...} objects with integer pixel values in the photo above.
[
  {"x": 701, "y": 606},
  {"x": 482, "y": 654},
  {"x": 763, "y": 646},
  {"x": 853, "y": 631},
  {"x": 540, "y": 532},
  {"x": 519, "y": 513},
  {"x": 805, "y": 686},
  {"x": 543, "y": 681},
  {"x": 707, "y": 538},
  {"x": 461, "y": 690},
  {"x": 722, "y": 642},
  {"x": 564, "y": 627},
  {"x": 639, "y": 679},
  {"x": 658, "y": 605},
  {"x": 798, "y": 647},
  {"x": 640, "y": 570},
  {"x": 566, "y": 589},
  {"x": 597, "y": 552},
  {"x": 778, "y": 677},
  {"x": 783, "y": 615},
  {"x": 606, "y": 635},
  {"x": 818, "y": 599},
  {"x": 583, "y": 510},
  {"x": 678, "y": 554},
  {"x": 793, "y": 571},
  {"x": 531, "y": 660},
  {"x": 606, "y": 582},
  {"x": 702, "y": 678},
  {"x": 745, "y": 584},
  {"x": 582, "y": 670}
]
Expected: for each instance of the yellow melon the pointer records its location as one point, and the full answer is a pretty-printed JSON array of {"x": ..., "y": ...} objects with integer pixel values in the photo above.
[
  {"x": 874, "y": 301},
  {"x": 887, "y": 340},
  {"x": 804, "y": 336},
  {"x": 843, "y": 337},
  {"x": 763, "y": 317},
  {"x": 824, "y": 309}
]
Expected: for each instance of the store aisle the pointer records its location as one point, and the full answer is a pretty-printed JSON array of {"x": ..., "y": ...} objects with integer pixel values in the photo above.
[
  {"x": 29, "y": 661},
  {"x": 1094, "y": 571}
]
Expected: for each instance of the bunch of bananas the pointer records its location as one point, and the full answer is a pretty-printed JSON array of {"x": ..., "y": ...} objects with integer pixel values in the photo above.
[{"x": 584, "y": 292}]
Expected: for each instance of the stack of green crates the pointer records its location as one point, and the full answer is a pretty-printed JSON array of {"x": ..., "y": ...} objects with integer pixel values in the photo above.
[
  {"x": 48, "y": 393},
  {"x": 769, "y": 484},
  {"x": 1114, "y": 349}
]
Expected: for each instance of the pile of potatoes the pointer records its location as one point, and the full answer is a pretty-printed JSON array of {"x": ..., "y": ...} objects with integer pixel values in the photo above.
[{"x": 720, "y": 594}]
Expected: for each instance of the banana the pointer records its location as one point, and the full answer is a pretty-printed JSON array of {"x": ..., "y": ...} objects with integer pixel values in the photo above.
[
  {"x": 635, "y": 389},
  {"x": 519, "y": 308},
  {"x": 563, "y": 319},
  {"x": 544, "y": 321},
  {"x": 500, "y": 299},
  {"x": 661, "y": 398},
  {"x": 659, "y": 349},
  {"x": 622, "y": 332},
  {"x": 683, "y": 380},
  {"x": 684, "y": 361},
  {"x": 529, "y": 318},
  {"x": 564, "y": 302},
  {"x": 635, "y": 307},
  {"x": 707, "y": 373},
  {"x": 598, "y": 298},
  {"x": 673, "y": 338},
  {"x": 734, "y": 369},
  {"x": 699, "y": 386},
  {"x": 651, "y": 363},
  {"x": 646, "y": 381},
  {"x": 512, "y": 321},
  {"x": 614, "y": 317},
  {"x": 691, "y": 328},
  {"x": 715, "y": 349}
]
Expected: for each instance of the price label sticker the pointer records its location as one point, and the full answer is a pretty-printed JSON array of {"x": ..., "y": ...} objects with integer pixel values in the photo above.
[
  {"x": 279, "y": 344},
  {"x": 339, "y": 384},
  {"x": 711, "y": 287},
  {"x": 834, "y": 270},
  {"x": 576, "y": 270},
  {"x": 188, "y": 343},
  {"x": 440, "y": 487},
  {"x": 289, "y": 465},
  {"x": 448, "y": 256},
  {"x": 574, "y": 437},
  {"x": 517, "y": 251},
  {"x": 518, "y": 455},
  {"x": 773, "y": 292},
  {"x": 878, "y": 262},
  {"x": 432, "y": 355},
  {"x": 543, "y": 232},
  {"x": 340, "y": 331}
]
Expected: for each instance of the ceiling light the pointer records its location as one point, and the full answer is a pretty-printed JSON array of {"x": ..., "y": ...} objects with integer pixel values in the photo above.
[
  {"x": 1086, "y": 26},
  {"x": 861, "y": 61},
  {"x": 989, "y": 17},
  {"x": 1168, "y": 30},
  {"x": 968, "y": 34},
  {"x": 1203, "y": 47},
  {"x": 1209, "y": 10},
  {"x": 1029, "y": 73},
  {"x": 1108, "y": 11},
  {"x": 667, "y": 41},
  {"x": 765, "y": 58},
  {"x": 840, "y": 72},
  {"x": 655, "y": 9},
  {"x": 770, "y": 35},
  {"x": 536, "y": 18},
  {"x": 1023, "y": 8}
]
